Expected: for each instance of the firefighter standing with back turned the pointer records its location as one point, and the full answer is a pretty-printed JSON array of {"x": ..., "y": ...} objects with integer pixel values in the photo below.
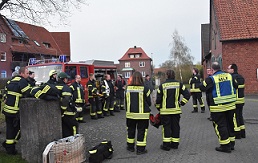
[
  {"x": 196, "y": 93},
  {"x": 222, "y": 98},
  {"x": 16, "y": 88},
  {"x": 168, "y": 103},
  {"x": 137, "y": 104},
  {"x": 69, "y": 123},
  {"x": 78, "y": 98},
  {"x": 240, "y": 101},
  {"x": 120, "y": 86}
]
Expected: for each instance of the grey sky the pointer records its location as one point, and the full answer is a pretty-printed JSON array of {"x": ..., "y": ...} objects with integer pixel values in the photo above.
[{"x": 105, "y": 29}]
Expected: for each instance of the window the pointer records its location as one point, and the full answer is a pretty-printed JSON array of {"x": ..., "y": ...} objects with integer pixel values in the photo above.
[
  {"x": 84, "y": 72},
  {"x": 127, "y": 64},
  {"x": 36, "y": 43},
  {"x": 20, "y": 42},
  {"x": 71, "y": 71},
  {"x": 142, "y": 64},
  {"x": 143, "y": 73},
  {"x": 127, "y": 74},
  {"x": 3, "y": 56},
  {"x": 3, "y": 74},
  {"x": 131, "y": 56},
  {"x": 3, "y": 37},
  {"x": 47, "y": 45},
  {"x": 137, "y": 56}
]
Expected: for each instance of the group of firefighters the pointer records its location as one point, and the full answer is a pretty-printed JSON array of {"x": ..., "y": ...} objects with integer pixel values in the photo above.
[{"x": 224, "y": 95}]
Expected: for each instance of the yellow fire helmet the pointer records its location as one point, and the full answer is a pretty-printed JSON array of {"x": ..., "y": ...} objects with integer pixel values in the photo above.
[{"x": 52, "y": 72}]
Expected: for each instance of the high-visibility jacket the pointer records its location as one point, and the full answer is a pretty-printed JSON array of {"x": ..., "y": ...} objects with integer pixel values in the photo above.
[
  {"x": 240, "y": 91},
  {"x": 194, "y": 82},
  {"x": 221, "y": 88},
  {"x": 168, "y": 97},
  {"x": 16, "y": 88},
  {"x": 78, "y": 93},
  {"x": 65, "y": 94},
  {"x": 137, "y": 102},
  {"x": 46, "y": 91},
  {"x": 92, "y": 89}
]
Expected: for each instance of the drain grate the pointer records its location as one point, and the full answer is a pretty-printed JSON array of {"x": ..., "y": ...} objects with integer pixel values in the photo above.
[{"x": 251, "y": 121}]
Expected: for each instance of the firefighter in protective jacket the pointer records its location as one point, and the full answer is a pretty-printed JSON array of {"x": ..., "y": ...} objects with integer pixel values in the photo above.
[
  {"x": 69, "y": 123},
  {"x": 78, "y": 98},
  {"x": 95, "y": 103},
  {"x": 240, "y": 102},
  {"x": 196, "y": 93},
  {"x": 168, "y": 103},
  {"x": 222, "y": 99},
  {"x": 16, "y": 88},
  {"x": 137, "y": 104}
]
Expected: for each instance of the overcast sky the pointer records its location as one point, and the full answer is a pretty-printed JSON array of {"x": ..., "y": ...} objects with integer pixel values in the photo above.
[{"x": 106, "y": 29}]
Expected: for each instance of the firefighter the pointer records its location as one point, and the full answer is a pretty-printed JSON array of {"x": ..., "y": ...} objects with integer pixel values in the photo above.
[
  {"x": 109, "y": 96},
  {"x": 52, "y": 77},
  {"x": 137, "y": 104},
  {"x": 240, "y": 101},
  {"x": 222, "y": 98},
  {"x": 95, "y": 103},
  {"x": 16, "y": 88},
  {"x": 168, "y": 103},
  {"x": 120, "y": 86},
  {"x": 78, "y": 98},
  {"x": 196, "y": 93},
  {"x": 31, "y": 79},
  {"x": 69, "y": 123}
]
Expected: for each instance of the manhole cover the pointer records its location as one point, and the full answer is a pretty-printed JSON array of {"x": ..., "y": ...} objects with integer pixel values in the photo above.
[{"x": 251, "y": 121}]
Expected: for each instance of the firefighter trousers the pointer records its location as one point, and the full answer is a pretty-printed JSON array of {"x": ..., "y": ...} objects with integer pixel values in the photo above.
[
  {"x": 142, "y": 128},
  {"x": 170, "y": 130},
  {"x": 109, "y": 104},
  {"x": 95, "y": 107},
  {"x": 224, "y": 126},
  {"x": 239, "y": 119},
  {"x": 79, "y": 115},
  {"x": 69, "y": 125},
  {"x": 197, "y": 96},
  {"x": 12, "y": 132}
]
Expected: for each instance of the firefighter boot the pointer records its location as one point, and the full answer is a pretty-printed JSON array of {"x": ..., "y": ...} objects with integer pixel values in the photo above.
[
  {"x": 238, "y": 134},
  {"x": 195, "y": 110},
  {"x": 112, "y": 113},
  {"x": 141, "y": 150},
  {"x": 174, "y": 145},
  {"x": 130, "y": 147},
  {"x": 232, "y": 145},
  {"x": 224, "y": 148},
  {"x": 165, "y": 146},
  {"x": 100, "y": 116},
  {"x": 203, "y": 109},
  {"x": 243, "y": 133},
  {"x": 10, "y": 148},
  {"x": 105, "y": 113}
]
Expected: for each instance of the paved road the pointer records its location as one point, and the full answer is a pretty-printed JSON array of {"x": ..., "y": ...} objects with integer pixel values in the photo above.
[{"x": 198, "y": 140}]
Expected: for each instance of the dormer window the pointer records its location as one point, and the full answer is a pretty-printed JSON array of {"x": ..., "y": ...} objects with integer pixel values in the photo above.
[
  {"x": 137, "y": 55},
  {"x": 47, "y": 45},
  {"x": 2, "y": 37},
  {"x": 131, "y": 56}
]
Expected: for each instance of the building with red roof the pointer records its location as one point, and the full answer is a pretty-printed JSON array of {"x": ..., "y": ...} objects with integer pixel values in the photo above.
[
  {"x": 21, "y": 41},
  {"x": 233, "y": 38},
  {"x": 135, "y": 59}
]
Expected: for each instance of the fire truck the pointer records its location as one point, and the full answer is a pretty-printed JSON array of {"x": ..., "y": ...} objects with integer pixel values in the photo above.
[{"x": 42, "y": 68}]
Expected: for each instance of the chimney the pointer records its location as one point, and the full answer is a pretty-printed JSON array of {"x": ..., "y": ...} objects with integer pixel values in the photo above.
[{"x": 135, "y": 47}]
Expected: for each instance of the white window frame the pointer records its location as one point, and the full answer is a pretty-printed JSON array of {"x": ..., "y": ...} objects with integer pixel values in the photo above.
[
  {"x": 143, "y": 73},
  {"x": 141, "y": 64},
  {"x": 127, "y": 74},
  {"x": 3, "y": 74},
  {"x": 3, "y": 37},
  {"x": 131, "y": 56},
  {"x": 3, "y": 54},
  {"x": 127, "y": 64},
  {"x": 137, "y": 55}
]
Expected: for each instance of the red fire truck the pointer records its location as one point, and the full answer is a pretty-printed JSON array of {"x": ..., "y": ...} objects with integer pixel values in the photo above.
[{"x": 42, "y": 68}]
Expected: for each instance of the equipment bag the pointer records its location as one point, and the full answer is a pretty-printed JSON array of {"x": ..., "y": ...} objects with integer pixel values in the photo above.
[{"x": 100, "y": 152}]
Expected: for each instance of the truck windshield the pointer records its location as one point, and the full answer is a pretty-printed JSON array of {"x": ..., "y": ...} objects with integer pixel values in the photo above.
[{"x": 42, "y": 72}]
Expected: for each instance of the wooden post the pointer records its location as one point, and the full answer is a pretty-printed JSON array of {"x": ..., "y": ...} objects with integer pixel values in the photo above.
[{"x": 41, "y": 124}]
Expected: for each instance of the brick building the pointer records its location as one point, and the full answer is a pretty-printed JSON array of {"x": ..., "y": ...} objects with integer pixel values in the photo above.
[
  {"x": 135, "y": 59},
  {"x": 234, "y": 38},
  {"x": 20, "y": 41}
]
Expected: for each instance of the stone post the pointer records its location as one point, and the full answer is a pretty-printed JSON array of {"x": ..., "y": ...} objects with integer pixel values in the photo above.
[{"x": 41, "y": 124}]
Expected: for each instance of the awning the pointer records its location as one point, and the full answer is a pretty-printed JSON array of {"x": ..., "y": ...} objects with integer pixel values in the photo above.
[{"x": 127, "y": 69}]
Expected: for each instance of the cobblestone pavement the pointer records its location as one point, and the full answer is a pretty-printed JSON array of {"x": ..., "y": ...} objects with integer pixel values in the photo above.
[{"x": 198, "y": 139}]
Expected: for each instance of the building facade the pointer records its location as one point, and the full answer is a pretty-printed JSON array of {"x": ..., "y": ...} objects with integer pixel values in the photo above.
[
  {"x": 135, "y": 59},
  {"x": 20, "y": 42}
]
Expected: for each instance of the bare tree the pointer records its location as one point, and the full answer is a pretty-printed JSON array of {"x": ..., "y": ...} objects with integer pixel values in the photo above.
[
  {"x": 39, "y": 11},
  {"x": 180, "y": 53}
]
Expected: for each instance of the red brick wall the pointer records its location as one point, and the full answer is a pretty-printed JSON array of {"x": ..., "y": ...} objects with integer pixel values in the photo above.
[
  {"x": 245, "y": 54},
  {"x": 5, "y": 47}
]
